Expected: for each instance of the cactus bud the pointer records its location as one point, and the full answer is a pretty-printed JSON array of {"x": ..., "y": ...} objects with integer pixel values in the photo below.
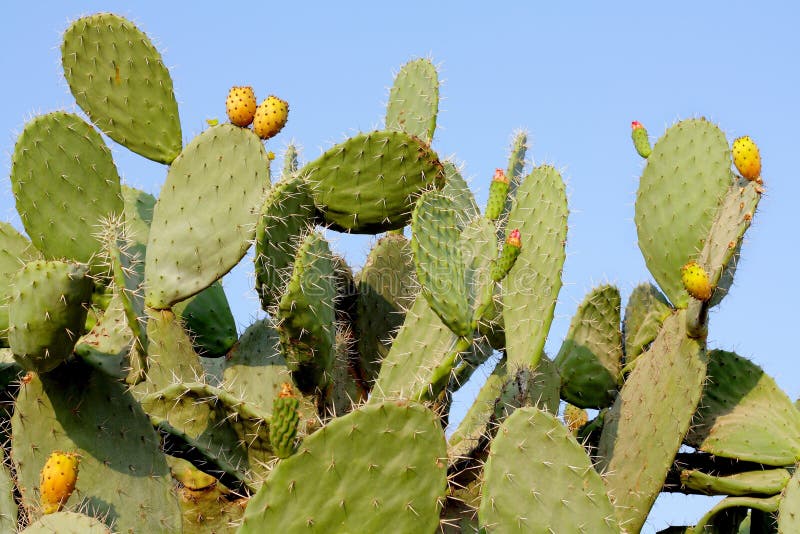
[
  {"x": 640, "y": 140},
  {"x": 497, "y": 195},
  {"x": 57, "y": 482},
  {"x": 508, "y": 257},
  {"x": 283, "y": 426},
  {"x": 241, "y": 105},
  {"x": 696, "y": 281},
  {"x": 746, "y": 158},
  {"x": 271, "y": 117}
]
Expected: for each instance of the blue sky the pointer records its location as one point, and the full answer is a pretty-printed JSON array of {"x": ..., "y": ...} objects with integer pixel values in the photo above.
[{"x": 574, "y": 77}]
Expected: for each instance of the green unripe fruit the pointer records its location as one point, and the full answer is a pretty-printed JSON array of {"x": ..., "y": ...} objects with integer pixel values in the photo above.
[
  {"x": 640, "y": 139},
  {"x": 498, "y": 191},
  {"x": 508, "y": 257},
  {"x": 285, "y": 418}
]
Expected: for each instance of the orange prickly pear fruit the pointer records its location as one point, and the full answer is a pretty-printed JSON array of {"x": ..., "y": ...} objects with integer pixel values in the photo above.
[
  {"x": 241, "y": 105},
  {"x": 640, "y": 140},
  {"x": 271, "y": 117},
  {"x": 57, "y": 482},
  {"x": 696, "y": 281},
  {"x": 746, "y": 158}
]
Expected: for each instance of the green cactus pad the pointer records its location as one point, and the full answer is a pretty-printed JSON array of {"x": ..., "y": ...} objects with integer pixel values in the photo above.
[
  {"x": 515, "y": 173},
  {"x": 170, "y": 355},
  {"x": 305, "y": 315},
  {"x": 61, "y": 162},
  {"x": 15, "y": 251},
  {"x": 414, "y": 100},
  {"x": 720, "y": 253},
  {"x": 381, "y": 466},
  {"x": 686, "y": 177},
  {"x": 716, "y": 516},
  {"x": 646, "y": 311},
  {"x": 766, "y": 482},
  {"x": 539, "y": 479},
  {"x": 531, "y": 288},
  {"x": 369, "y": 183},
  {"x": 123, "y": 476},
  {"x": 285, "y": 218},
  {"x": 457, "y": 189},
  {"x": 644, "y": 429},
  {"x": 478, "y": 244},
  {"x": 205, "y": 218},
  {"x": 283, "y": 424},
  {"x": 208, "y": 319},
  {"x": 789, "y": 507},
  {"x": 65, "y": 522},
  {"x": 108, "y": 345},
  {"x": 9, "y": 511},
  {"x": 119, "y": 80},
  {"x": 386, "y": 288},
  {"x": 47, "y": 312},
  {"x": 744, "y": 415},
  {"x": 504, "y": 391},
  {"x": 590, "y": 358},
  {"x": 439, "y": 262}
]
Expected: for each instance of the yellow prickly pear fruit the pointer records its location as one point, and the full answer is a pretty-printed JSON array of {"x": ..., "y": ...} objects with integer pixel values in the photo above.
[
  {"x": 58, "y": 478},
  {"x": 575, "y": 418},
  {"x": 696, "y": 281},
  {"x": 241, "y": 105},
  {"x": 271, "y": 117},
  {"x": 746, "y": 158}
]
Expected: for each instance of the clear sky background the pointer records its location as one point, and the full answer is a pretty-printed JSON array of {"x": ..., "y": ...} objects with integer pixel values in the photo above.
[{"x": 573, "y": 74}]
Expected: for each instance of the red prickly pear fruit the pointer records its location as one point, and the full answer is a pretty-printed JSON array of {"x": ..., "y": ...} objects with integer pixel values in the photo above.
[
  {"x": 696, "y": 281},
  {"x": 498, "y": 190},
  {"x": 747, "y": 158},
  {"x": 283, "y": 425},
  {"x": 57, "y": 482},
  {"x": 640, "y": 140},
  {"x": 508, "y": 256},
  {"x": 241, "y": 105},
  {"x": 271, "y": 117}
]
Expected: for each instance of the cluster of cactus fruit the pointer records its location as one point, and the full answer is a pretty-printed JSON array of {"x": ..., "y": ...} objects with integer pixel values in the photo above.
[{"x": 138, "y": 408}]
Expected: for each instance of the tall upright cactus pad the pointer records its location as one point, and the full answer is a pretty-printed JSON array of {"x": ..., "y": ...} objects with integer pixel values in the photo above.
[
  {"x": 123, "y": 476},
  {"x": 306, "y": 317},
  {"x": 686, "y": 177},
  {"x": 208, "y": 318},
  {"x": 287, "y": 214},
  {"x": 348, "y": 476},
  {"x": 369, "y": 183},
  {"x": 61, "y": 162},
  {"x": 646, "y": 311},
  {"x": 644, "y": 429},
  {"x": 15, "y": 251},
  {"x": 789, "y": 507},
  {"x": 457, "y": 188},
  {"x": 9, "y": 512},
  {"x": 386, "y": 288},
  {"x": 436, "y": 243},
  {"x": 744, "y": 415},
  {"x": 590, "y": 358},
  {"x": 170, "y": 355},
  {"x": 414, "y": 100},
  {"x": 205, "y": 218},
  {"x": 118, "y": 78},
  {"x": 531, "y": 288},
  {"x": 47, "y": 312},
  {"x": 539, "y": 479},
  {"x": 515, "y": 173}
]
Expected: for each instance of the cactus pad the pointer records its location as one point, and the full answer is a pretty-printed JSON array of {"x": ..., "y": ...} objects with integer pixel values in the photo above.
[
  {"x": 414, "y": 100},
  {"x": 67, "y": 523},
  {"x": 349, "y": 476},
  {"x": 205, "y": 218},
  {"x": 15, "y": 251},
  {"x": 646, "y": 311},
  {"x": 209, "y": 320},
  {"x": 369, "y": 183},
  {"x": 118, "y": 78},
  {"x": 539, "y": 479}
]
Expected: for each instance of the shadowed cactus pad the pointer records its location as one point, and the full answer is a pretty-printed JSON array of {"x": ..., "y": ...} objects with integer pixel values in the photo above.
[{"x": 349, "y": 477}]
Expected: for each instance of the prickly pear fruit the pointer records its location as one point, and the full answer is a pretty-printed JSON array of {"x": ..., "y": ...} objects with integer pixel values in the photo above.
[
  {"x": 509, "y": 255},
  {"x": 270, "y": 117},
  {"x": 497, "y": 195},
  {"x": 283, "y": 426},
  {"x": 58, "y": 478},
  {"x": 696, "y": 281},
  {"x": 640, "y": 140},
  {"x": 575, "y": 418},
  {"x": 241, "y": 105},
  {"x": 746, "y": 158}
]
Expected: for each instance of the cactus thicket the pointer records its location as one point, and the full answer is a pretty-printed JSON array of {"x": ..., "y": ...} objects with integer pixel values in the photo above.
[{"x": 329, "y": 415}]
